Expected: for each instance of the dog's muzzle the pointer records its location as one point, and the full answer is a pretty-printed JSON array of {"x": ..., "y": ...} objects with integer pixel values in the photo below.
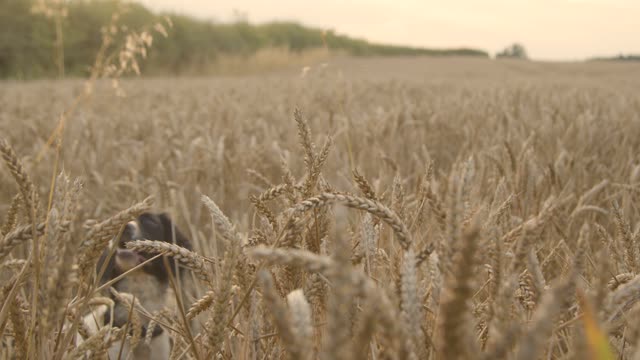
[{"x": 126, "y": 259}]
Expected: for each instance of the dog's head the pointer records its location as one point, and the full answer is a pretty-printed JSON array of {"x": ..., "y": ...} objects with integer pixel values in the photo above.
[
  {"x": 148, "y": 226},
  {"x": 149, "y": 283}
]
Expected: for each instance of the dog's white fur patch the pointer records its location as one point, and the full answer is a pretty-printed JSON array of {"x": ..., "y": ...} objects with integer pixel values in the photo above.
[
  {"x": 159, "y": 347},
  {"x": 154, "y": 296}
]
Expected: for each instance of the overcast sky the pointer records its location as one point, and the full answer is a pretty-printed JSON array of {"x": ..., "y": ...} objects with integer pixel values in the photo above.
[{"x": 549, "y": 29}]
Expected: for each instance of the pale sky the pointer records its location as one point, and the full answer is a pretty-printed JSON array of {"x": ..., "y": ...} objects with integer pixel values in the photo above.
[{"x": 549, "y": 29}]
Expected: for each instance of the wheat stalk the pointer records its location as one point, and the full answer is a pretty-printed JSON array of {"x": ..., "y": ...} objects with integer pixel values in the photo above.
[
  {"x": 27, "y": 189},
  {"x": 190, "y": 259},
  {"x": 454, "y": 308},
  {"x": 373, "y": 207},
  {"x": 20, "y": 235},
  {"x": 11, "y": 219}
]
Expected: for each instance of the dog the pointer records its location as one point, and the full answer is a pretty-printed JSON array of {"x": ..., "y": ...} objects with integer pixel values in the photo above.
[{"x": 148, "y": 284}]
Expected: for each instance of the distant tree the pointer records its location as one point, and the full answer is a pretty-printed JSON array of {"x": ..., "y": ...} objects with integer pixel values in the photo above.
[
  {"x": 240, "y": 16},
  {"x": 514, "y": 51}
]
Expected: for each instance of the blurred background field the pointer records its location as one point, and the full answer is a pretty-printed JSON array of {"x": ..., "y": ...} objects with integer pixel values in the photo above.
[{"x": 165, "y": 128}]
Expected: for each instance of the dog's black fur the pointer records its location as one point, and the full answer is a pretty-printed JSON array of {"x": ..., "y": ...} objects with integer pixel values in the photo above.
[
  {"x": 150, "y": 226},
  {"x": 152, "y": 280}
]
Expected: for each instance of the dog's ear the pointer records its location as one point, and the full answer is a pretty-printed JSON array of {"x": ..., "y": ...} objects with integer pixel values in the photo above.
[{"x": 172, "y": 233}]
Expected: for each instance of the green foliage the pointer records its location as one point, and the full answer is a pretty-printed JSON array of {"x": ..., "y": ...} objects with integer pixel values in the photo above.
[{"x": 27, "y": 40}]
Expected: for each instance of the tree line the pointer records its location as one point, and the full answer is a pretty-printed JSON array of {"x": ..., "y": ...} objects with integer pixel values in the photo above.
[{"x": 28, "y": 39}]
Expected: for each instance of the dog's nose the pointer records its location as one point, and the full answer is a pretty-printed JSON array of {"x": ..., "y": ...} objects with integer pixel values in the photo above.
[{"x": 130, "y": 230}]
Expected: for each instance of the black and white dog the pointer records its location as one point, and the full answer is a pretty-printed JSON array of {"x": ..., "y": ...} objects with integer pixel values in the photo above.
[{"x": 149, "y": 284}]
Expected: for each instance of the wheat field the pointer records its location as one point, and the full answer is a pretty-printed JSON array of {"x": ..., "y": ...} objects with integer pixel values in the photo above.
[{"x": 398, "y": 208}]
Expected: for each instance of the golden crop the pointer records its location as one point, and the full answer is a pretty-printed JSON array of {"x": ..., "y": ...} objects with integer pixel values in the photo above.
[{"x": 368, "y": 209}]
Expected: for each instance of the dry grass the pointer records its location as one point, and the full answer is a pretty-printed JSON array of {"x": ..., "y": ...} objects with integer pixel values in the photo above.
[
  {"x": 412, "y": 208},
  {"x": 264, "y": 60}
]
